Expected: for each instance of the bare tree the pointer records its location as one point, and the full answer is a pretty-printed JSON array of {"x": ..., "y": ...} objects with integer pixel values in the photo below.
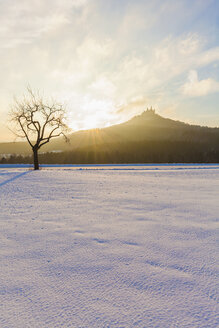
[{"x": 38, "y": 121}]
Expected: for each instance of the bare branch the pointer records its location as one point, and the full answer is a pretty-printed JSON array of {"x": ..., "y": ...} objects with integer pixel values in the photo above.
[
  {"x": 53, "y": 136},
  {"x": 25, "y": 133},
  {"x": 38, "y": 120}
]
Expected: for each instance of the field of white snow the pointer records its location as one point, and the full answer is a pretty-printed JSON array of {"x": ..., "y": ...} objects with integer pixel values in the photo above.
[{"x": 122, "y": 246}]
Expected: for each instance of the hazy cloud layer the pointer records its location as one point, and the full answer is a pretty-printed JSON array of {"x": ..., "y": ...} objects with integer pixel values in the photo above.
[
  {"x": 196, "y": 88},
  {"x": 110, "y": 60}
]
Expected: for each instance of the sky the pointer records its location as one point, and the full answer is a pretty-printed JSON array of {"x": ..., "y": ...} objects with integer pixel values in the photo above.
[{"x": 107, "y": 61}]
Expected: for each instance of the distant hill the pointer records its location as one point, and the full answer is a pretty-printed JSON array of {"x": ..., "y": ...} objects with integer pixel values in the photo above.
[{"x": 136, "y": 135}]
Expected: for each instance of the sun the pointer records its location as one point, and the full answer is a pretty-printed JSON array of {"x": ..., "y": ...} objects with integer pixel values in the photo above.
[
  {"x": 92, "y": 122},
  {"x": 93, "y": 113}
]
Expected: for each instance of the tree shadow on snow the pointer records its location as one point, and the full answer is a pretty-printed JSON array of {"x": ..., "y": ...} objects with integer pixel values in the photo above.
[{"x": 14, "y": 178}]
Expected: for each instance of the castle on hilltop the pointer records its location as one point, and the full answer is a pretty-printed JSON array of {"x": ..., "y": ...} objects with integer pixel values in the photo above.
[{"x": 150, "y": 110}]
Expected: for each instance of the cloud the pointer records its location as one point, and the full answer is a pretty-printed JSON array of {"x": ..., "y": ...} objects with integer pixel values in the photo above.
[
  {"x": 157, "y": 69},
  {"x": 103, "y": 87},
  {"x": 134, "y": 104},
  {"x": 25, "y": 21},
  {"x": 197, "y": 88},
  {"x": 121, "y": 55},
  {"x": 91, "y": 53},
  {"x": 209, "y": 56},
  {"x": 86, "y": 69},
  {"x": 137, "y": 80}
]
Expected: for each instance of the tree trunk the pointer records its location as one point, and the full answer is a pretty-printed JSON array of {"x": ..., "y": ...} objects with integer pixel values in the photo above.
[{"x": 35, "y": 159}]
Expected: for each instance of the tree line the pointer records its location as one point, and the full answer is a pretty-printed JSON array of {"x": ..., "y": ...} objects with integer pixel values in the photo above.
[{"x": 130, "y": 152}]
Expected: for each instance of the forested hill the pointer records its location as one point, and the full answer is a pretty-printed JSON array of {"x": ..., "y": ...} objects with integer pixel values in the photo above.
[{"x": 146, "y": 137}]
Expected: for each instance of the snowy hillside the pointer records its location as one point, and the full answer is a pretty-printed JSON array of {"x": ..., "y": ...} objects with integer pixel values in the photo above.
[{"x": 124, "y": 246}]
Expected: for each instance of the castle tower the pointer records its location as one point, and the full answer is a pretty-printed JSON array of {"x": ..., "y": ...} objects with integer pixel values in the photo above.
[{"x": 150, "y": 110}]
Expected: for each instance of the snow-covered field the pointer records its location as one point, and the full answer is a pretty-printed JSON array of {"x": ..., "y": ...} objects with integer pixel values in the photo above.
[{"x": 123, "y": 246}]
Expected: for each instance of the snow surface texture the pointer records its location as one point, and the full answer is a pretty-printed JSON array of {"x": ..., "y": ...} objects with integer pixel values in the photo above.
[{"x": 108, "y": 247}]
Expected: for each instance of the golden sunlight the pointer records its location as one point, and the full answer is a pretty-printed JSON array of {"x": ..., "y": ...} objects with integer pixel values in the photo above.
[
  {"x": 94, "y": 113},
  {"x": 91, "y": 122}
]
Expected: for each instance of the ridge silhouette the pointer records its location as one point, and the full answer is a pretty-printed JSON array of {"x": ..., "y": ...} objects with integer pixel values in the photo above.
[{"x": 142, "y": 134}]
